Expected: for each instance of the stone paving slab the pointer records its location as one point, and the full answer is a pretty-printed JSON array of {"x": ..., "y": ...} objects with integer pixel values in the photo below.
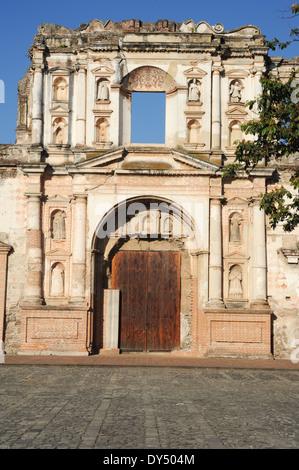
[
  {"x": 107, "y": 408},
  {"x": 151, "y": 359}
]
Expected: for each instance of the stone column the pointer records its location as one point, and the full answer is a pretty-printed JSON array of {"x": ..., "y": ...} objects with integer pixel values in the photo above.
[
  {"x": 79, "y": 249},
  {"x": 4, "y": 250},
  {"x": 37, "y": 106},
  {"x": 81, "y": 105},
  {"x": 257, "y": 86},
  {"x": 34, "y": 245},
  {"x": 215, "y": 266},
  {"x": 259, "y": 266},
  {"x": 216, "y": 109}
]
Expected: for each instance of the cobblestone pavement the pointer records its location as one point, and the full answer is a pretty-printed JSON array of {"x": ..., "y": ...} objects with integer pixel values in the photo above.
[{"x": 57, "y": 407}]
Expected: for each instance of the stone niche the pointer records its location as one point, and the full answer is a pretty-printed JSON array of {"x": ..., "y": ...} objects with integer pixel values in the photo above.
[
  {"x": 57, "y": 225},
  {"x": 235, "y": 252}
]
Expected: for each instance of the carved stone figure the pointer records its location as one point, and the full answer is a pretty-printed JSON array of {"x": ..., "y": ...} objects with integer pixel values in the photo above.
[
  {"x": 235, "y": 282},
  {"x": 60, "y": 90},
  {"x": 193, "y": 94},
  {"x": 102, "y": 130},
  {"x": 235, "y": 229},
  {"x": 235, "y": 92},
  {"x": 102, "y": 93},
  {"x": 59, "y": 132},
  {"x": 58, "y": 226},
  {"x": 57, "y": 280}
]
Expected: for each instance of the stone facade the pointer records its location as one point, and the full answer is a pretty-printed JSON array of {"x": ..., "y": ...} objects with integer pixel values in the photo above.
[{"x": 74, "y": 191}]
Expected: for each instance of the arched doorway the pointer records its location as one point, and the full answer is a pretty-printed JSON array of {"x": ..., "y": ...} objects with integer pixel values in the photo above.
[
  {"x": 148, "y": 79},
  {"x": 142, "y": 254}
]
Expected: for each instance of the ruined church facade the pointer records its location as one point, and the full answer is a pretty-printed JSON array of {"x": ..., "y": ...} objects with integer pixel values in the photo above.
[{"x": 107, "y": 246}]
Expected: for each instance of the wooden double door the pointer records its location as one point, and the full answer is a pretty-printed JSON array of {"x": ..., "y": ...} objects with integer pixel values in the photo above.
[{"x": 149, "y": 284}]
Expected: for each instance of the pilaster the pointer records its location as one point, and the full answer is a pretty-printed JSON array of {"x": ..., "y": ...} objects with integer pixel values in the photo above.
[
  {"x": 4, "y": 251},
  {"x": 215, "y": 265},
  {"x": 79, "y": 249},
  {"x": 259, "y": 263}
]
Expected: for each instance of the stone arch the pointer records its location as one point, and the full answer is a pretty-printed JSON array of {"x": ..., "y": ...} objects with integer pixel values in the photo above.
[
  {"x": 113, "y": 235},
  {"x": 149, "y": 79}
]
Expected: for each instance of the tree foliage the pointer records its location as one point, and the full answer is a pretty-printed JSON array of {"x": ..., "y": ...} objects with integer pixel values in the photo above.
[{"x": 275, "y": 135}]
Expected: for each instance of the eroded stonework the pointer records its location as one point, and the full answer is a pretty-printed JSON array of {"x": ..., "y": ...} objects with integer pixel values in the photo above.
[{"x": 75, "y": 192}]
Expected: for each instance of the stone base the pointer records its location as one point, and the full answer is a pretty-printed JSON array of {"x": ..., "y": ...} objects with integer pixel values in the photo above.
[
  {"x": 109, "y": 352},
  {"x": 52, "y": 353},
  {"x": 55, "y": 330},
  {"x": 235, "y": 333}
]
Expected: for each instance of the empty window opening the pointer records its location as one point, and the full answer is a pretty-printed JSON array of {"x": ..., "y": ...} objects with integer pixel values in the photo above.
[{"x": 148, "y": 118}]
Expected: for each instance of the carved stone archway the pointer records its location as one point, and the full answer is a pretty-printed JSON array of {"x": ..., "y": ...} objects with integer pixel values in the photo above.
[
  {"x": 149, "y": 79},
  {"x": 133, "y": 236}
]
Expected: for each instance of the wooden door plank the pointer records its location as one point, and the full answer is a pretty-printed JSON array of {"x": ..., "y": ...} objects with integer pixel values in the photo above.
[
  {"x": 163, "y": 312},
  {"x": 150, "y": 299}
]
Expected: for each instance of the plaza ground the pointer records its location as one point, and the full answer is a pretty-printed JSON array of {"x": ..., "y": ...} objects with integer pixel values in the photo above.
[{"x": 80, "y": 403}]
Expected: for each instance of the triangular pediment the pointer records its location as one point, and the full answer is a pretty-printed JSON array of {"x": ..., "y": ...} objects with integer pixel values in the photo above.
[
  {"x": 237, "y": 73},
  {"x": 147, "y": 159},
  {"x": 236, "y": 111},
  {"x": 60, "y": 108},
  {"x": 103, "y": 160},
  {"x": 58, "y": 198},
  {"x": 103, "y": 70},
  {"x": 237, "y": 201},
  {"x": 195, "y": 72},
  {"x": 58, "y": 252}
]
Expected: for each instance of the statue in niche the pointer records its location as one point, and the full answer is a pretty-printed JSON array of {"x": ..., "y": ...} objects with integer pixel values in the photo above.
[
  {"x": 102, "y": 92},
  {"x": 102, "y": 130},
  {"x": 235, "y": 229},
  {"x": 60, "y": 90},
  {"x": 57, "y": 280},
  {"x": 235, "y": 92},
  {"x": 193, "y": 92},
  {"x": 59, "y": 132},
  {"x": 58, "y": 226},
  {"x": 235, "y": 282}
]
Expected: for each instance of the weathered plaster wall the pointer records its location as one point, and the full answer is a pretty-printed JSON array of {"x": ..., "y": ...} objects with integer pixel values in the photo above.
[{"x": 13, "y": 221}]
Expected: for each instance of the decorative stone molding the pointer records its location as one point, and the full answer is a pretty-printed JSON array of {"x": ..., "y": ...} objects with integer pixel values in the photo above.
[{"x": 291, "y": 255}]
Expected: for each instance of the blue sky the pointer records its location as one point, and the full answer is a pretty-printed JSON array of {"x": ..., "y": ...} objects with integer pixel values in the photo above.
[{"x": 20, "y": 19}]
